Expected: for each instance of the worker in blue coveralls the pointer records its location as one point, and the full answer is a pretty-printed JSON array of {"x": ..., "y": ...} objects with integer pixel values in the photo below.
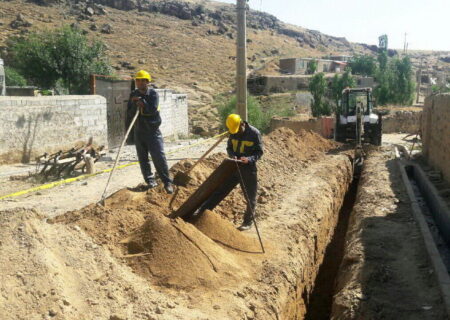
[
  {"x": 245, "y": 145},
  {"x": 147, "y": 136}
]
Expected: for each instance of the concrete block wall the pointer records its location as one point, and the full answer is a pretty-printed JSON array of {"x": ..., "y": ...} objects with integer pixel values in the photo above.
[
  {"x": 174, "y": 113},
  {"x": 30, "y": 126},
  {"x": 436, "y": 133}
]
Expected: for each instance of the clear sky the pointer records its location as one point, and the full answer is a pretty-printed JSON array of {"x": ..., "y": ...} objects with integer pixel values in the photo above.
[{"x": 426, "y": 22}]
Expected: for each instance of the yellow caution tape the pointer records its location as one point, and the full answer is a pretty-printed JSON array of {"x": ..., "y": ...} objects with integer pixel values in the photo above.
[{"x": 69, "y": 180}]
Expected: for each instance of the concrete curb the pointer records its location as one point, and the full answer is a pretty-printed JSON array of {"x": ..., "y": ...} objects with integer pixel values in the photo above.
[{"x": 442, "y": 275}]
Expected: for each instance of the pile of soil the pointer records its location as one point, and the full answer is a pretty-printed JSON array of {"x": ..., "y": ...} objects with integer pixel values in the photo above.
[
  {"x": 177, "y": 254},
  {"x": 174, "y": 253},
  {"x": 56, "y": 271}
]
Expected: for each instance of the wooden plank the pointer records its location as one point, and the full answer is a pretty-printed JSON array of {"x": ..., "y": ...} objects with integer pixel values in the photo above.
[{"x": 206, "y": 189}]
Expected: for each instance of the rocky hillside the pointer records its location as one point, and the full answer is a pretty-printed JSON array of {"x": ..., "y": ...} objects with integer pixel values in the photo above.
[{"x": 188, "y": 46}]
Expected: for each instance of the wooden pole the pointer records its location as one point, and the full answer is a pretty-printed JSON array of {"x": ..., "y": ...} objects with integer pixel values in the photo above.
[{"x": 241, "y": 60}]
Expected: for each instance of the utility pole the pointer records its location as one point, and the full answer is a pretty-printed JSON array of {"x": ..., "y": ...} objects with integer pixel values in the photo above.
[
  {"x": 404, "y": 45},
  {"x": 241, "y": 60},
  {"x": 419, "y": 80}
]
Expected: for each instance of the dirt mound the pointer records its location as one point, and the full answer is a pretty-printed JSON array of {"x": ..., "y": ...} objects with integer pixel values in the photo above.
[
  {"x": 177, "y": 254},
  {"x": 225, "y": 233},
  {"x": 134, "y": 226},
  {"x": 285, "y": 154},
  {"x": 56, "y": 271}
]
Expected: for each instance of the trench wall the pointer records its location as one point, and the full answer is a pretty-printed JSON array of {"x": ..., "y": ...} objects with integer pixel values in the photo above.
[
  {"x": 399, "y": 122},
  {"x": 323, "y": 126},
  {"x": 436, "y": 133},
  {"x": 33, "y": 125}
]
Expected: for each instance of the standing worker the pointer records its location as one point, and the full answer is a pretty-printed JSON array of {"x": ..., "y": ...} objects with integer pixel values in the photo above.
[
  {"x": 245, "y": 145},
  {"x": 147, "y": 136}
]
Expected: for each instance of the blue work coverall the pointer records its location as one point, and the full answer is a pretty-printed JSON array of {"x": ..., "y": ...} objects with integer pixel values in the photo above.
[{"x": 147, "y": 136}]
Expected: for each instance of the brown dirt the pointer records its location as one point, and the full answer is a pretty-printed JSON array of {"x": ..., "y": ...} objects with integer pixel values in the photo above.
[
  {"x": 225, "y": 233},
  {"x": 129, "y": 261},
  {"x": 134, "y": 222},
  {"x": 385, "y": 273}
]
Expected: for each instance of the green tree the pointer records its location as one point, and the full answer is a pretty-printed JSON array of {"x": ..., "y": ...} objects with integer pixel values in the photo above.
[
  {"x": 258, "y": 115},
  {"x": 382, "y": 60},
  {"x": 14, "y": 78},
  {"x": 383, "y": 92},
  {"x": 318, "y": 89},
  {"x": 363, "y": 65},
  {"x": 402, "y": 85},
  {"x": 395, "y": 84},
  {"x": 64, "y": 55},
  {"x": 340, "y": 83},
  {"x": 311, "y": 67}
]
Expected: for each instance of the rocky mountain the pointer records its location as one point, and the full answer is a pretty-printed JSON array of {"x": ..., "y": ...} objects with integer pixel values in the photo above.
[{"x": 188, "y": 46}]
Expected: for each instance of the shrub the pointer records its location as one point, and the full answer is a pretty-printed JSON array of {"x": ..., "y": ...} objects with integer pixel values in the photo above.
[
  {"x": 14, "y": 78},
  {"x": 64, "y": 55}
]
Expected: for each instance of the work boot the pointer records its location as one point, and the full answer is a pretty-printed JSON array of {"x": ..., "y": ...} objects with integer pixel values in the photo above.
[
  {"x": 168, "y": 187},
  {"x": 151, "y": 183},
  {"x": 245, "y": 226}
]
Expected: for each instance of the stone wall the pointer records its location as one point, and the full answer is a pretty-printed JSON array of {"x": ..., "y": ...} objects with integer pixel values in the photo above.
[
  {"x": 30, "y": 126},
  {"x": 436, "y": 133},
  {"x": 402, "y": 122}
]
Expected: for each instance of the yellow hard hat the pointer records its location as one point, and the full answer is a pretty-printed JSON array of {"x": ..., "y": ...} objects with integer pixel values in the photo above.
[
  {"x": 142, "y": 74},
  {"x": 233, "y": 122}
]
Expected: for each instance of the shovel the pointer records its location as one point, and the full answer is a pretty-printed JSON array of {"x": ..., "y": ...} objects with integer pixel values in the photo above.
[{"x": 183, "y": 178}]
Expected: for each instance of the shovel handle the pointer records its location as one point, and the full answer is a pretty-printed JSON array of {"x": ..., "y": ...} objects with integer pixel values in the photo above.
[
  {"x": 190, "y": 169},
  {"x": 206, "y": 153}
]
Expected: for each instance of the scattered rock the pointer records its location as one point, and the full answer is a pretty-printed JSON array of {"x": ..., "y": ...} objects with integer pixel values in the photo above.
[
  {"x": 89, "y": 11},
  {"x": 158, "y": 310},
  {"x": 107, "y": 29},
  {"x": 19, "y": 22},
  {"x": 141, "y": 61},
  {"x": 52, "y": 313},
  {"x": 127, "y": 65}
]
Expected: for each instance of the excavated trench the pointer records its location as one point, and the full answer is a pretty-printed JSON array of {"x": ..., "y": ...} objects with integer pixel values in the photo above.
[
  {"x": 314, "y": 300},
  {"x": 320, "y": 300}
]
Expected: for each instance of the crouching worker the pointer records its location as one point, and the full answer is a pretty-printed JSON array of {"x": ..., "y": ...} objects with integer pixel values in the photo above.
[
  {"x": 147, "y": 136},
  {"x": 245, "y": 145}
]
